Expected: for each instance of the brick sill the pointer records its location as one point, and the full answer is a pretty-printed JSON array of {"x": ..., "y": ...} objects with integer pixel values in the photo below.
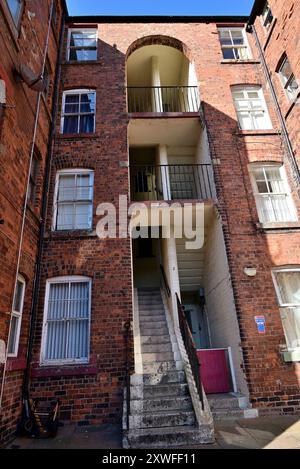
[
  {"x": 242, "y": 133},
  {"x": 66, "y": 370},
  {"x": 279, "y": 226},
  {"x": 81, "y": 62},
  {"x": 240, "y": 62}
]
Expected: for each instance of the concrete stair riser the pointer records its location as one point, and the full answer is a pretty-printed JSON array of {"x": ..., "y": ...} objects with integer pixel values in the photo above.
[
  {"x": 171, "y": 390},
  {"x": 156, "y": 348},
  {"x": 161, "y": 419},
  {"x": 154, "y": 340},
  {"x": 162, "y": 330},
  {"x": 151, "y": 318},
  {"x": 157, "y": 357},
  {"x": 164, "y": 378},
  {"x": 161, "y": 404},
  {"x": 159, "y": 367}
]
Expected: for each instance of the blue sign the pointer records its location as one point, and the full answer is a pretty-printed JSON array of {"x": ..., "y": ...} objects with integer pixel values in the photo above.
[{"x": 261, "y": 324}]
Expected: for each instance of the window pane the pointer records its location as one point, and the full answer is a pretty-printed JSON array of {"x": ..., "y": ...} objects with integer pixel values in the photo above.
[
  {"x": 86, "y": 124},
  {"x": 79, "y": 304},
  {"x": 65, "y": 216},
  {"x": 289, "y": 287},
  {"x": 12, "y": 341},
  {"x": 18, "y": 299},
  {"x": 245, "y": 121},
  {"x": 291, "y": 324},
  {"x": 66, "y": 189},
  {"x": 71, "y": 108},
  {"x": 83, "y": 216},
  {"x": 228, "y": 53},
  {"x": 70, "y": 125},
  {"x": 72, "y": 98},
  {"x": 84, "y": 189},
  {"x": 83, "y": 54},
  {"x": 58, "y": 301}
]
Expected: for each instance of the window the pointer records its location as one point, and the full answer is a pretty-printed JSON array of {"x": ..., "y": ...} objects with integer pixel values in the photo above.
[
  {"x": 234, "y": 43},
  {"x": 15, "y": 8},
  {"x": 251, "y": 108},
  {"x": 288, "y": 79},
  {"x": 33, "y": 178},
  {"x": 267, "y": 17},
  {"x": 74, "y": 200},
  {"x": 78, "y": 113},
  {"x": 16, "y": 318},
  {"x": 273, "y": 200},
  {"x": 66, "y": 328},
  {"x": 287, "y": 284},
  {"x": 82, "y": 44}
]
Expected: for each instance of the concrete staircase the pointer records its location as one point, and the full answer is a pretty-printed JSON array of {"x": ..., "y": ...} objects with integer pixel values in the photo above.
[
  {"x": 230, "y": 406},
  {"x": 161, "y": 409}
]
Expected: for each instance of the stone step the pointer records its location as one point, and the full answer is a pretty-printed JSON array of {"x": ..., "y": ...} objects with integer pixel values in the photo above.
[
  {"x": 155, "y": 324},
  {"x": 159, "y": 367},
  {"x": 165, "y": 390},
  {"x": 168, "y": 377},
  {"x": 152, "y": 331},
  {"x": 154, "y": 357},
  {"x": 148, "y": 309},
  {"x": 157, "y": 348},
  {"x": 223, "y": 403},
  {"x": 227, "y": 414},
  {"x": 170, "y": 437},
  {"x": 152, "y": 318},
  {"x": 161, "y": 419},
  {"x": 161, "y": 404},
  {"x": 157, "y": 339}
]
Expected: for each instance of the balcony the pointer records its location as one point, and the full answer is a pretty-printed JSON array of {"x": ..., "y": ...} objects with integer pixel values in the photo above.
[
  {"x": 171, "y": 182},
  {"x": 164, "y": 100}
]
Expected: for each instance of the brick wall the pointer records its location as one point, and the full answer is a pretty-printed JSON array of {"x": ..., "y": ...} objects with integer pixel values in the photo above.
[{"x": 23, "y": 45}]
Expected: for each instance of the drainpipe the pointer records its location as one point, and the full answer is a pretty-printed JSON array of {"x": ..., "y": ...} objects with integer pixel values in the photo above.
[
  {"x": 251, "y": 29},
  {"x": 26, "y": 200}
]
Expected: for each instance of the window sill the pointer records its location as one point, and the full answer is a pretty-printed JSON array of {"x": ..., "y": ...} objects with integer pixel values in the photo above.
[
  {"x": 77, "y": 136},
  {"x": 69, "y": 234},
  {"x": 291, "y": 355},
  {"x": 16, "y": 364},
  {"x": 64, "y": 370},
  {"x": 278, "y": 226},
  {"x": 257, "y": 132},
  {"x": 81, "y": 62},
  {"x": 240, "y": 61}
]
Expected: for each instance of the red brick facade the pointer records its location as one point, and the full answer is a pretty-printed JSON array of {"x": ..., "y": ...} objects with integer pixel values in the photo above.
[
  {"x": 22, "y": 44},
  {"x": 92, "y": 393}
]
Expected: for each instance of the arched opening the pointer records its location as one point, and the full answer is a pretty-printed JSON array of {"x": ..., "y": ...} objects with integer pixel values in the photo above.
[{"x": 160, "y": 77}]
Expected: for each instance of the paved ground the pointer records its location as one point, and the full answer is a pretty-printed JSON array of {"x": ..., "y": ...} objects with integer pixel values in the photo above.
[{"x": 263, "y": 432}]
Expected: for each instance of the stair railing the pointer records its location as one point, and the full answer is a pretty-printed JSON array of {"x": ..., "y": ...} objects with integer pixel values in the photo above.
[
  {"x": 190, "y": 349},
  {"x": 165, "y": 280}
]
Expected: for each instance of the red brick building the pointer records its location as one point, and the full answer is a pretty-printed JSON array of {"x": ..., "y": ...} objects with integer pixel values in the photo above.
[{"x": 200, "y": 110}]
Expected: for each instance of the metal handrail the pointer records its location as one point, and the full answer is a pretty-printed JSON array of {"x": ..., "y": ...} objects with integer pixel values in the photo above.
[
  {"x": 172, "y": 182},
  {"x": 127, "y": 327},
  {"x": 165, "y": 280},
  {"x": 190, "y": 349},
  {"x": 163, "y": 99}
]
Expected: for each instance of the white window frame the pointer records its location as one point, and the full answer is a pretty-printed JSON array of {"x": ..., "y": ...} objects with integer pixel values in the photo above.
[
  {"x": 263, "y": 166},
  {"x": 291, "y": 95},
  {"x": 75, "y": 171},
  {"x": 245, "y": 89},
  {"x": 82, "y": 30},
  {"x": 232, "y": 46},
  {"x": 284, "y": 306},
  {"x": 265, "y": 15},
  {"x": 63, "y": 361},
  {"x": 79, "y": 91},
  {"x": 18, "y": 315}
]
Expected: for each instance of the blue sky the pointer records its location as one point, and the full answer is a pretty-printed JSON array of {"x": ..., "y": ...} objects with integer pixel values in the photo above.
[{"x": 159, "y": 7}]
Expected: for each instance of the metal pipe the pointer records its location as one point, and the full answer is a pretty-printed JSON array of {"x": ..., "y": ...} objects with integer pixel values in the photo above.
[
  {"x": 251, "y": 28},
  {"x": 26, "y": 200}
]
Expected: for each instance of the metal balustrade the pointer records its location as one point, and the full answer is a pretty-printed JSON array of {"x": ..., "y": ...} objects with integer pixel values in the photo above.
[
  {"x": 163, "y": 99},
  {"x": 171, "y": 182}
]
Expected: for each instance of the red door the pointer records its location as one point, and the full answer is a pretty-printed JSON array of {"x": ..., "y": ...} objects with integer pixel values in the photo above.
[{"x": 214, "y": 371}]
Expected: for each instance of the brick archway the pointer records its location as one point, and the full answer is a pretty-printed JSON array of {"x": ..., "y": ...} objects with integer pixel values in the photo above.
[{"x": 160, "y": 40}]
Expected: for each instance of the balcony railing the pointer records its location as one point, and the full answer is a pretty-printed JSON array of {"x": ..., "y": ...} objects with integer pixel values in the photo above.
[
  {"x": 171, "y": 182},
  {"x": 163, "y": 99}
]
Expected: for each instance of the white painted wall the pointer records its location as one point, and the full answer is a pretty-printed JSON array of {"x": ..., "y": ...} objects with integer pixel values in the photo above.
[{"x": 220, "y": 304}]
